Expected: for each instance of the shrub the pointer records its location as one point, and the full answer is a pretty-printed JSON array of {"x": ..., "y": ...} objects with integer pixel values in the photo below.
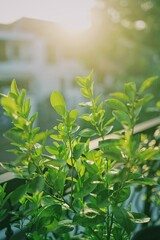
[{"x": 71, "y": 190}]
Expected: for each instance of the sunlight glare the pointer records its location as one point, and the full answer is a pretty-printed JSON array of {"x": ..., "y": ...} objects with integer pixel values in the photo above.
[{"x": 71, "y": 14}]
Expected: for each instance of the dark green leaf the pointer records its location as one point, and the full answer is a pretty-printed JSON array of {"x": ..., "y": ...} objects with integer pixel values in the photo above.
[
  {"x": 122, "y": 218},
  {"x": 77, "y": 150},
  {"x": 64, "y": 226},
  {"x": 37, "y": 184},
  {"x": 138, "y": 217},
  {"x": 102, "y": 199},
  {"x": 122, "y": 195},
  {"x": 18, "y": 193},
  {"x": 87, "y": 132},
  {"x": 83, "y": 220}
]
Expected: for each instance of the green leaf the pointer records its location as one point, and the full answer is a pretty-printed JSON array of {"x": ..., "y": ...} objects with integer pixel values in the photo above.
[
  {"x": 58, "y": 103},
  {"x": 15, "y": 136},
  {"x": 81, "y": 81},
  {"x": 31, "y": 168},
  {"x": 86, "y": 117},
  {"x": 101, "y": 198},
  {"x": 120, "y": 95},
  {"x": 51, "y": 209},
  {"x": 84, "y": 81},
  {"x": 148, "y": 154},
  {"x": 52, "y": 150},
  {"x": 72, "y": 116},
  {"x": 77, "y": 150},
  {"x": 14, "y": 88},
  {"x": 9, "y": 106},
  {"x": 33, "y": 118},
  {"x": 138, "y": 217},
  {"x": 122, "y": 195},
  {"x": 111, "y": 149},
  {"x": 64, "y": 226},
  {"x": 40, "y": 137},
  {"x": 85, "y": 92},
  {"x": 18, "y": 193},
  {"x": 21, "y": 97},
  {"x": 88, "y": 186},
  {"x": 27, "y": 107},
  {"x": 56, "y": 178},
  {"x": 144, "y": 181},
  {"x": 130, "y": 90},
  {"x": 123, "y": 219},
  {"x": 88, "y": 218},
  {"x": 122, "y": 117},
  {"x": 147, "y": 84},
  {"x": 87, "y": 132},
  {"x": 117, "y": 105},
  {"x": 107, "y": 130},
  {"x": 37, "y": 184}
]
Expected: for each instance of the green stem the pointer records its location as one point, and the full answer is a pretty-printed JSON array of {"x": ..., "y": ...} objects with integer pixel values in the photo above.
[{"x": 72, "y": 169}]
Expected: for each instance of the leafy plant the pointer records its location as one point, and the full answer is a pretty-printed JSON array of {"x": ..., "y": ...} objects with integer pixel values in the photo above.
[{"x": 71, "y": 190}]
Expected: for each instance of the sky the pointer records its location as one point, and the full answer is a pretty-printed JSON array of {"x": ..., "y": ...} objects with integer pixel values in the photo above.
[{"x": 71, "y": 14}]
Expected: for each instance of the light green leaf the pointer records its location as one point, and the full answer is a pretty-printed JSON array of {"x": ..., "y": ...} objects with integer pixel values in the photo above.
[
  {"x": 117, "y": 105},
  {"x": 14, "y": 88},
  {"x": 16, "y": 136},
  {"x": 40, "y": 137},
  {"x": 147, "y": 84},
  {"x": 27, "y": 107},
  {"x": 120, "y": 95},
  {"x": 122, "y": 117},
  {"x": 86, "y": 117},
  {"x": 85, "y": 92},
  {"x": 130, "y": 90},
  {"x": 21, "y": 97},
  {"x": 81, "y": 81},
  {"x": 58, "y": 103},
  {"x": 9, "y": 106},
  {"x": 72, "y": 115}
]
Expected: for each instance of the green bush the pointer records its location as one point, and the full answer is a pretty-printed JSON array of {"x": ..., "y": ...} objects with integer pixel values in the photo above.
[{"x": 71, "y": 190}]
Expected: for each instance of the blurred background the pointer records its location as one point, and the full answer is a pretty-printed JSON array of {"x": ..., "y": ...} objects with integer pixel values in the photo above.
[{"x": 44, "y": 45}]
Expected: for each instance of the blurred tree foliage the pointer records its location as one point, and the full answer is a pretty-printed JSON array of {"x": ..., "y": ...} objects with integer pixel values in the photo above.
[{"x": 124, "y": 39}]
